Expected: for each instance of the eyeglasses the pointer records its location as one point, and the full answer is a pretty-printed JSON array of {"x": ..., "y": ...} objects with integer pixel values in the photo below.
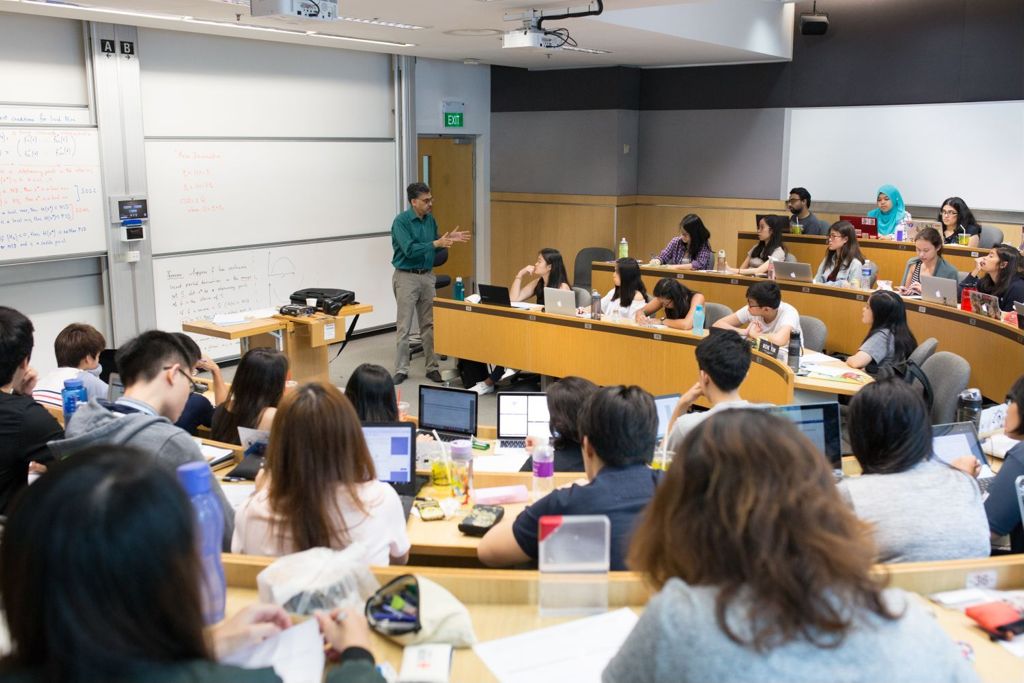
[
  {"x": 949, "y": 212},
  {"x": 194, "y": 387},
  {"x": 833, "y": 236}
]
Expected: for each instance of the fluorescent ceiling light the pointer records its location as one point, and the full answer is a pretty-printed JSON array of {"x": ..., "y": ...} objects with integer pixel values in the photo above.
[
  {"x": 101, "y": 10},
  {"x": 473, "y": 32},
  {"x": 381, "y": 22},
  {"x": 587, "y": 50}
]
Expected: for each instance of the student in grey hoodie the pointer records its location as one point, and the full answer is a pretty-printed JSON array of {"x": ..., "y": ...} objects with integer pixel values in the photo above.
[{"x": 155, "y": 368}]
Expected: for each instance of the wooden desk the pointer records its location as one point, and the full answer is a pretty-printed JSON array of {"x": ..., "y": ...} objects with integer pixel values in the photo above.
[
  {"x": 503, "y": 603},
  {"x": 303, "y": 339},
  {"x": 890, "y": 257},
  {"x": 994, "y": 349}
]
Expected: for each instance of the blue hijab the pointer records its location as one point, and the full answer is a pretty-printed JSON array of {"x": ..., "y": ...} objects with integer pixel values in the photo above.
[{"x": 887, "y": 221}]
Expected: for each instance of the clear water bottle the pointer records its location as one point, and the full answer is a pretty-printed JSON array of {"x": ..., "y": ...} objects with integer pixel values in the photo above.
[
  {"x": 595, "y": 305},
  {"x": 698, "y": 320},
  {"x": 197, "y": 481},
  {"x": 71, "y": 395},
  {"x": 771, "y": 269},
  {"x": 968, "y": 407},
  {"x": 865, "y": 275},
  {"x": 793, "y": 351},
  {"x": 623, "y": 248},
  {"x": 543, "y": 470},
  {"x": 460, "y": 290}
]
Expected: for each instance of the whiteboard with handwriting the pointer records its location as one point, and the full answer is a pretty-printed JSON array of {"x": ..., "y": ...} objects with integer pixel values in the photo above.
[
  {"x": 51, "y": 202},
  {"x": 199, "y": 286}
]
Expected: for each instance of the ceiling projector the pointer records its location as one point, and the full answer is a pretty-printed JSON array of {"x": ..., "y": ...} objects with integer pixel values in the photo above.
[
  {"x": 531, "y": 37},
  {"x": 326, "y": 10}
]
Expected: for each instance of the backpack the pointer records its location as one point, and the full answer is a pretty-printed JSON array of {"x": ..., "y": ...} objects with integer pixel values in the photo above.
[
  {"x": 911, "y": 373},
  {"x": 471, "y": 372}
]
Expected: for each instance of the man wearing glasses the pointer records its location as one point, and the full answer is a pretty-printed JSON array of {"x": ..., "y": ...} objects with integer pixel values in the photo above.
[
  {"x": 799, "y": 204},
  {"x": 157, "y": 373}
]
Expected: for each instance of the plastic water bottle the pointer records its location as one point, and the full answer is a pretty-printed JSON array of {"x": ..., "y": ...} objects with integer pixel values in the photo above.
[
  {"x": 460, "y": 290},
  {"x": 595, "y": 305},
  {"x": 793, "y": 351},
  {"x": 623, "y": 248},
  {"x": 197, "y": 481},
  {"x": 71, "y": 395},
  {"x": 543, "y": 470},
  {"x": 698, "y": 320},
  {"x": 865, "y": 275},
  {"x": 771, "y": 269}
]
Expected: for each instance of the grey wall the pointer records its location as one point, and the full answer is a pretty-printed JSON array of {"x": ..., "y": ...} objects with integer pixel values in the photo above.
[
  {"x": 565, "y": 152},
  {"x": 712, "y": 153}
]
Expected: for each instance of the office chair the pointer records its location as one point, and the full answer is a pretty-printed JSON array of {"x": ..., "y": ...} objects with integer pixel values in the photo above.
[
  {"x": 581, "y": 266},
  {"x": 948, "y": 374}
]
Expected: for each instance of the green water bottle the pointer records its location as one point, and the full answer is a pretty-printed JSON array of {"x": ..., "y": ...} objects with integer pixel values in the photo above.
[{"x": 623, "y": 248}]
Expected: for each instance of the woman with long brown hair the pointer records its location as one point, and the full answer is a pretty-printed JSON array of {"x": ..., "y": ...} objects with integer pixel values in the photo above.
[
  {"x": 320, "y": 487},
  {"x": 843, "y": 261},
  {"x": 764, "y": 573},
  {"x": 256, "y": 389}
]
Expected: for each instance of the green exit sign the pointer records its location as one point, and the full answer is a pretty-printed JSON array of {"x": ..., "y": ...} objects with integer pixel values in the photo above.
[{"x": 453, "y": 119}]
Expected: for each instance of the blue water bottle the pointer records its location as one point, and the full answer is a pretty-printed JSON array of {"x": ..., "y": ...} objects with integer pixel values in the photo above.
[
  {"x": 197, "y": 481},
  {"x": 71, "y": 395},
  {"x": 460, "y": 290},
  {"x": 698, "y": 320}
]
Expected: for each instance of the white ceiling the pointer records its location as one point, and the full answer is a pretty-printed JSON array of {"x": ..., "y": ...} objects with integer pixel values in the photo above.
[{"x": 646, "y": 33}]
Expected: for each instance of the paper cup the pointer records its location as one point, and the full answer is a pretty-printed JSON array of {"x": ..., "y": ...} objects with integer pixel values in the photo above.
[{"x": 311, "y": 303}]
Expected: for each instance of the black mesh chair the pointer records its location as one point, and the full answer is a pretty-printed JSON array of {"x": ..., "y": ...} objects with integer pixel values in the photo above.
[{"x": 581, "y": 266}]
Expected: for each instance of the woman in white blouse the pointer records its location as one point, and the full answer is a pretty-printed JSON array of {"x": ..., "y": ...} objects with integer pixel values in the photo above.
[
  {"x": 629, "y": 294},
  {"x": 769, "y": 247}
]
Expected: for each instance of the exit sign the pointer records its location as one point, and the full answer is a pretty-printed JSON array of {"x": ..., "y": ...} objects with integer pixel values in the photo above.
[
  {"x": 453, "y": 113},
  {"x": 453, "y": 119}
]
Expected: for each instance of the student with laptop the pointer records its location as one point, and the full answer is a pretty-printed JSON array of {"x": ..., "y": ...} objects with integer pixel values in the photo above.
[
  {"x": 928, "y": 262},
  {"x": 319, "y": 488},
  {"x": 998, "y": 274},
  {"x": 889, "y": 341},
  {"x": 629, "y": 294},
  {"x": 762, "y": 574},
  {"x": 1002, "y": 507},
  {"x": 564, "y": 399},
  {"x": 799, "y": 205},
  {"x": 723, "y": 359},
  {"x": 677, "y": 300},
  {"x": 958, "y": 223},
  {"x": 77, "y": 348},
  {"x": 691, "y": 250},
  {"x": 843, "y": 260},
  {"x": 766, "y": 316},
  {"x": 256, "y": 390},
  {"x": 449, "y": 413},
  {"x": 618, "y": 425},
  {"x": 769, "y": 247},
  {"x": 922, "y": 508},
  {"x": 891, "y": 212}
]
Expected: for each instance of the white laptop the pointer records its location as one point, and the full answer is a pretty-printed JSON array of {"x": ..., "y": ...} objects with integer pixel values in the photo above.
[
  {"x": 939, "y": 290},
  {"x": 522, "y": 414},
  {"x": 560, "y": 301},
  {"x": 665, "y": 405},
  {"x": 799, "y": 272}
]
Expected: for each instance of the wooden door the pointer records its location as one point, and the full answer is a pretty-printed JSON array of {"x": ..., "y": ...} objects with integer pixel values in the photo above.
[{"x": 446, "y": 164}]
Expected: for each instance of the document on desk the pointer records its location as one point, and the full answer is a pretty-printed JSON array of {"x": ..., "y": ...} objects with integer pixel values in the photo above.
[
  {"x": 296, "y": 654},
  {"x": 213, "y": 454},
  {"x": 504, "y": 461},
  {"x": 576, "y": 651}
]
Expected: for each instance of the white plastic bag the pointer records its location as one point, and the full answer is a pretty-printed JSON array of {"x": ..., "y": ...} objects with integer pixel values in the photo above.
[{"x": 318, "y": 579}]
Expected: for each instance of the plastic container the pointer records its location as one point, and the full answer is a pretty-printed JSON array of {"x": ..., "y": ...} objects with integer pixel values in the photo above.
[
  {"x": 460, "y": 290},
  {"x": 968, "y": 407},
  {"x": 793, "y": 351},
  {"x": 71, "y": 395},
  {"x": 197, "y": 481},
  {"x": 543, "y": 470},
  {"x": 698, "y": 320},
  {"x": 462, "y": 469},
  {"x": 771, "y": 269},
  {"x": 595, "y": 305},
  {"x": 623, "y": 248},
  {"x": 965, "y": 299},
  {"x": 721, "y": 264},
  {"x": 868, "y": 273}
]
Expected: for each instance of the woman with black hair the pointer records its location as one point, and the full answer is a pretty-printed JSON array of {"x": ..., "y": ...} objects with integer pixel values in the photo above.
[
  {"x": 628, "y": 295},
  {"x": 678, "y": 301},
  {"x": 102, "y": 582},
  {"x": 843, "y": 260},
  {"x": 565, "y": 397},
  {"x": 255, "y": 391},
  {"x": 371, "y": 391},
  {"x": 903, "y": 484},
  {"x": 889, "y": 340},
  {"x": 769, "y": 247},
  {"x": 1001, "y": 506},
  {"x": 958, "y": 223},
  {"x": 999, "y": 272},
  {"x": 550, "y": 272},
  {"x": 691, "y": 250}
]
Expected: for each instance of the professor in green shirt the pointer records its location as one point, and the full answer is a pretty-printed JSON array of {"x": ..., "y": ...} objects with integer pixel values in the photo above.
[{"x": 415, "y": 240}]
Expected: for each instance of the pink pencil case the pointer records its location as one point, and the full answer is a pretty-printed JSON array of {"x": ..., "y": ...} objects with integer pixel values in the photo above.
[{"x": 496, "y": 495}]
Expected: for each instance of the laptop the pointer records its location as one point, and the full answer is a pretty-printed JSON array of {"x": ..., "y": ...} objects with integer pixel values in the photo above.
[
  {"x": 985, "y": 304},
  {"x": 495, "y": 295},
  {"x": 864, "y": 226},
  {"x": 560, "y": 301},
  {"x": 951, "y": 441},
  {"x": 1019, "y": 308},
  {"x": 450, "y": 412},
  {"x": 392, "y": 446},
  {"x": 522, "y": 414},
  {"x": 819, "y": 422},
  {"x": 939, "y": 290},
  {"x": 798, "y": 272},
  {"x": 115, "y": 387},
  {"x": 665, "y": 405}
]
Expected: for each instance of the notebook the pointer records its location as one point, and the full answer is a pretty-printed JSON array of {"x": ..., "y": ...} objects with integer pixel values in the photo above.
[
  {"x": 819, "y": 422},
  {"x": 392, "y": 446},
  {"x": 451, "y": 412},
  {"x": 522, "y": 414},
  {"x": 951, "y": 441}
]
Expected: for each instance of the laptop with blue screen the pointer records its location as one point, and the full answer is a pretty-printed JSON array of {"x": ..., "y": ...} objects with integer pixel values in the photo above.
[{"x": 392, "y": 447}]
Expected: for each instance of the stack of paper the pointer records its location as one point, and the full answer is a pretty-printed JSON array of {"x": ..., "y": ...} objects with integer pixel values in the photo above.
[{"x": 297, "y": 654}]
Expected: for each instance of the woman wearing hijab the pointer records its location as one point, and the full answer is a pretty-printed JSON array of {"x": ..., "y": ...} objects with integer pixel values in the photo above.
[{"x": 891, "y": 212}]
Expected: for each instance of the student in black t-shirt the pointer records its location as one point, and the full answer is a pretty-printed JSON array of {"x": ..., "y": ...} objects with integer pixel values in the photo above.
[
  {"x": 1001, "y": 506},
  {"x": 25, "y": 426},
  {"x": 619, "y": 425},
  {"x": 958, "y": 223}
]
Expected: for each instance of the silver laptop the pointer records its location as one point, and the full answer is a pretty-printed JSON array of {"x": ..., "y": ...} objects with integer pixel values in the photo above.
[
  {"x": 939, "y": 290},
  {"x": 522, "y": 414},
  {"x": 560, "y": 301},
  {"x": 799, "y": 272},
  {"x": 951, "y": 441},
  {"x": 665, "y": 405}
]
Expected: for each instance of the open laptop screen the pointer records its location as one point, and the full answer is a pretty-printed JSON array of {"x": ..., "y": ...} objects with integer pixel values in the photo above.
[
  {"x": 665, "y": 405},
  {"x": 393, "y": 449},
  {"x": 951, "y": 441},
  {"x": 819, "y": 422},
  {"x": 448, "y": 410},
  {"x": 523, "y": 414}
]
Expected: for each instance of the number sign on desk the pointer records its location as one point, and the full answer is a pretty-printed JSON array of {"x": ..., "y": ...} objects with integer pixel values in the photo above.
[{"x": 50, "y": 201}]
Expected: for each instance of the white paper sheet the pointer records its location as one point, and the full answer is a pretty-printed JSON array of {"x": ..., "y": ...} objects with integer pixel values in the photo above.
[
  {"x": 505, "y": 460},
  {"x": 297, "y": 654},
  {"x": 237, "y": 493},
  {"x": 214, "y": 455},
  {"x": 576, "y": 651}
]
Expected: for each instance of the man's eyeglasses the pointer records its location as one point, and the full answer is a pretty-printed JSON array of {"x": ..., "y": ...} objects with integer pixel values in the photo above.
[{"x": 194, "y": 386}]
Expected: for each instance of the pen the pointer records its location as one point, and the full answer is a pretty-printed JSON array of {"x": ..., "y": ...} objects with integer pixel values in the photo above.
[{"x": 233, "y": 479}]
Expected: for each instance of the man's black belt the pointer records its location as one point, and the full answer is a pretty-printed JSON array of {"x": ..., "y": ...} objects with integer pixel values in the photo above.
[{"x": 417, "y": 271}]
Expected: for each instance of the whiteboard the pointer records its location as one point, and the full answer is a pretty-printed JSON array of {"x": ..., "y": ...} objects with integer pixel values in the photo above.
[
  {"x": 210, "y": 194},
  {"x": 51, "y": 200},
  {"x": 928, "y": 151},
  {"x": 200, "y": 286}
]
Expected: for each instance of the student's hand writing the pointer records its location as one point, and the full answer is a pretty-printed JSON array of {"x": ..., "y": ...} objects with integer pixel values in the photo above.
[
  {"x": 351, "y": 630},
  {"x": 252, "y": 625},
  {"x": 968, "y": 464},
  {"x": 28, "y": 382}
]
